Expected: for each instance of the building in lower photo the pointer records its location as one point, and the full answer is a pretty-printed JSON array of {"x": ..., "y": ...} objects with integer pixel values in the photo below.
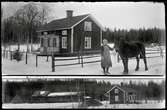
[
  {"x": 55, "y": 97},
  {"x": 70, "y": 34},
  {"x": 121, "y": 95}
]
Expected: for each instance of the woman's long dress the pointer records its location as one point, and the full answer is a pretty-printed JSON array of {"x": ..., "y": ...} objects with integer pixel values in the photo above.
[{"x": 105, "y": 57}]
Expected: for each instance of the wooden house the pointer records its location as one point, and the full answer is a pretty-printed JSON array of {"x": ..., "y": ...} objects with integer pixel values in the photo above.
[
  {"x": 71, "y": 35},
  {"x": 121, "y": 95}
]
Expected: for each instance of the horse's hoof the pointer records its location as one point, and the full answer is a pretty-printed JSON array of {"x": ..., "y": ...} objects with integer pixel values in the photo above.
[
  {"x": 125, "y": 72},
  {"x": 136, "y": 69},
  {"x": 146, "y": 69},
  {"x": 108, "y": 73}
]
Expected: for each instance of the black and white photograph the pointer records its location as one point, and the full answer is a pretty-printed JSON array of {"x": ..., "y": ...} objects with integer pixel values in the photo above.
[
  {"x": 83, "y": 55},
  {"x": 110, "y": 93},
  {"x": 83, "y": 38}
]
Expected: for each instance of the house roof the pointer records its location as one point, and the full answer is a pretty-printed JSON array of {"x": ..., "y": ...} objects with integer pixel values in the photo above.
[
  {"x": 64, "y": 23},
  {"x": 62, "y": 94},
  {"x": 123, "y": 88},
  {"x": 40, "y": 93},
  {"x": 52, "y": 94}
]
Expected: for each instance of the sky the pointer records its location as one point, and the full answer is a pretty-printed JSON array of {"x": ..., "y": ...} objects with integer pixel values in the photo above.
[{"x": 119, "y": 15}]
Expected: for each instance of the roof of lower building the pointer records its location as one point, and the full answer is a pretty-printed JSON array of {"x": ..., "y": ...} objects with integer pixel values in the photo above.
[
  {"x": 123, "y": 88},
  {"x": 52, "y": 94}
]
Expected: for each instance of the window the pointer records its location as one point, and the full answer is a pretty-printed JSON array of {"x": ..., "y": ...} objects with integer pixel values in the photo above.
[
  {"x": 116, "y": 91},
  {"x": 64, "y": 42},
  {"x": 45, "y": 33},
  {"x": 48, "y": 42},
  {"x": 45, "y": 42},
  {"x": 88, "y": 26},
  {"x": 41, "y": 42},
  {"x": 64, "y": 32},
  {"x": 54, "y": 42},
  {"x": 87, "y": 42},
  {"x": 116, "y": 98}
]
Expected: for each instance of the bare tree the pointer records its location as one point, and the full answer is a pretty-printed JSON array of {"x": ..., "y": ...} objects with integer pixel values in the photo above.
[
  {"x": 30, "y": 16},
  {"x": 22, "y": 25}
]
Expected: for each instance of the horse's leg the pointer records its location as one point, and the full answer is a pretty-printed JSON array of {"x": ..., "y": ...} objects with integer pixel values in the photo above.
[
  {"x": 125, "y": 63},
  {"x": 137, "y": 66},
  {"x": 144, "y": 59},
  {"x": 104, "y": 70},
  {"x": 145, "y": 62},
  {"x": 126, "y": 66}
]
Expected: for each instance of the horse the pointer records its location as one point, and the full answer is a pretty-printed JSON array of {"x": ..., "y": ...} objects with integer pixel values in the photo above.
[{"x": 129, "y": 49}]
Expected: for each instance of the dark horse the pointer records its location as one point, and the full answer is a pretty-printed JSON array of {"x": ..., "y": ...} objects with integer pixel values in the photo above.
[{"x": 128, "y": 50}]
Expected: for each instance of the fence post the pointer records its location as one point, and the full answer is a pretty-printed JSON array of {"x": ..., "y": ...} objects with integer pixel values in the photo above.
[
  {"x": 47, "y": 58},
  {"x": 26, "y": 57},
  {"x": 82, "y": 60},
  {"x": 78, "y": 58},
  {"x": 36, "y": 60},
  {"x": 53, "y": 63},
  {"x": 6, "y": 54},
  {"x": 11, "y": 55}
]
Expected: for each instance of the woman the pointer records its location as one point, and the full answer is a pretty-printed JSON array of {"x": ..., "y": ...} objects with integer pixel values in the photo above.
[{"x": 105, "y": 57}]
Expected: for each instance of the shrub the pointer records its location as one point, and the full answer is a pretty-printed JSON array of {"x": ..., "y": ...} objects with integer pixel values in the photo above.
[{"x": 17, "y": 55}]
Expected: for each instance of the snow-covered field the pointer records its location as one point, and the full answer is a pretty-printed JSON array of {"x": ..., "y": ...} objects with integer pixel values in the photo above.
[
  {"x": 40, "y": 105},
  {"x": 106, "y": 105},
  {"x": 152, "y": 105},
  {"x": 156, "y": 66}
]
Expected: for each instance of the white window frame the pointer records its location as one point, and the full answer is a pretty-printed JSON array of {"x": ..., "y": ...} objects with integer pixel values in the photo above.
[
  {"x": 88, "y": 42},
  {"x": 116, "y": 91},
  {"x": 45, "y": 33},
  {"x": 64, "y": 32},
  {"x": 54, "y": 42},
  {"x": 87, "y": 26},
  {"x": 116, "y": 98},
  {"x": 64, "y": 42}
]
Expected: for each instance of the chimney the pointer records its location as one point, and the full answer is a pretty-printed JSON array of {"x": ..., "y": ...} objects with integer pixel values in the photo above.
[
  {"x": 122, "y": 84},
  {"x": 69, "y": 13}
]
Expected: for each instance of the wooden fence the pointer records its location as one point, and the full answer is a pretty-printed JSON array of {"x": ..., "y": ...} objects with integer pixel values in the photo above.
[
  {"x": 8, "y": 54},
  {"x": 81, "y": 59}
]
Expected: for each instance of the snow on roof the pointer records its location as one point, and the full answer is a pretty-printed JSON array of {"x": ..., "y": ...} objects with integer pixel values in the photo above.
[
  {"x": 62, "y": 94},
  {"x": 42, "y": 92},
  {"x": 87, "y": 97}
]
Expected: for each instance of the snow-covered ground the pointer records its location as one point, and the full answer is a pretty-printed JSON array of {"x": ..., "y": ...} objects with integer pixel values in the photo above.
[
  {"x": 156, "y": 66},
  {"x": 40, "y": 105},
  {"x": 153, "y": 104}
]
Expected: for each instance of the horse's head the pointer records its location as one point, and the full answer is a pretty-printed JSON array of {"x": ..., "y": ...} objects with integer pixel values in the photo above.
[{"x": 117, "y": 42}]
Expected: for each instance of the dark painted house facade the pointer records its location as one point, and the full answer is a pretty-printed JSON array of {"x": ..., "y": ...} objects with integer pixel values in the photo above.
[
  {"x": 121, "y": 95},
  {"x": 71, "y": 34}
]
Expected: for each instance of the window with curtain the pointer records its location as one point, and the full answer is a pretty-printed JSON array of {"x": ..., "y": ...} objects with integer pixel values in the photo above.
[
  {"x": 116, "y": 98},
  {"x": 64, "y": 42},
  {"x": 54, "y": 42},
  {"x": 87, "y": 42},
  {"x": 116, "y": 91},
  {"x": 87, "y": 26}
]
